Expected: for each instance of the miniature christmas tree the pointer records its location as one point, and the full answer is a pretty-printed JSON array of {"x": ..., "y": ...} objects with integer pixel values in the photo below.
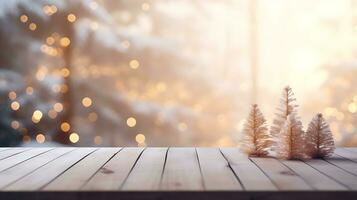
[
  {"x": 287, "y": 107},
  {"x": 292, "y": 139},
  {"x": 255, "y": 139},
  {"x": 319, "y": 138}
]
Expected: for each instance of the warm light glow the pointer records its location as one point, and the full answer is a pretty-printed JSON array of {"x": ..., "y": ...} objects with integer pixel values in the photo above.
[
  {"x": 56, "y": 88},
  {"x": 65, "y": 41},
  {"x": 134, "y": 64},
  {"x": 15, "y": 105},
  {"x": 71, "y": 18},
  {"x": 161, "y": 87},
  {"x": 49, "y": 9},
  {"x": 26, "y": 139},
  {"x": 98, "y": 140},
  {"x": 352, "y": 107},
  {"x": 12, "y": 95},
  {"x": 15, "y": 124},
  {"x": 41, "y": 73},
  {"x": 40, "y": 138},
  {"x": 145, "y": 6},
  {"x": 182, "y": 126},
  {"x": 197, "y": 81},
  {"x": 63, "y": 88},
  {"x": 74, "y": 137},
  {"x": 50, "y": 40},
  {"x": 32, "y": 26},
  {"x": 140, "y": 138},
  {"x": 65, "y": 126},
  {"x": 131, "y": 121},
  {"x": 86, "y": 101},
  {"x": 23, "y": 18},
  {"x": 58, "y": 107},
  {"x": 29, "y": 90},
  {"x": 93, "y": 5},
  {"x": 92, "y": 117},
  {"x": 65, "y": 72},
  {"x": 52, "y": 114},
  {"x": 36, "y": 116},
  {"x": 94, "y": 26}
]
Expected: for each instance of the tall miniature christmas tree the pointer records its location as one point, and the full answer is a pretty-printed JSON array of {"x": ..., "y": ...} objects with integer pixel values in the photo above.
[
  {"x": 287, "y": 107},
  {"x": 319, "y": 138},
  {"x": 255, "y": 139},
  {"x": 292, "y": 139}
]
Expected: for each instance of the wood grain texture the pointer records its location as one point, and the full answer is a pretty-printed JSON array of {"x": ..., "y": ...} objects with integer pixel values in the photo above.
[
  {"x": 20, "y": 157},
  {"x": 147, "y": 172},
  {"x": 182, "y": 170},
  {"x": 76, "y": 176},
  {"x": 350, "y": 155},
  {"x": 45, "y": 174},
  {"x": 165, "y": 173},
  {"x": 22, "y": 169},
  {"x": 216, "y": 172},
  {"x": 345, "y": 164},
  {"x": 312, "y": 176},
  {"x": 334, "y": 172},
  {"x": 244, "y": 168},
  {"x": 113, "y": 174},
  {"x": 353, "y": 149},
  {"x": 11, "y": 152},
  {"x": 283, "y": 177}
]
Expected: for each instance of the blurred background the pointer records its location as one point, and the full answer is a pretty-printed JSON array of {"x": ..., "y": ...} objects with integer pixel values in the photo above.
[{"x": 169, "y": 72}]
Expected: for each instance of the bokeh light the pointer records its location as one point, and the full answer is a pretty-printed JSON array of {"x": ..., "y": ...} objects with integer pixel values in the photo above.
[
  {"x": 140, "y": 138},
  {"x": 86, "y": 102},
  {"x": 65, "y": 126},
  {"x": 40, "y": 138},
  {"x": 131, "y": 121},
  {"x": 112, "y": 71},
  {"x": 74, "y": 137}
]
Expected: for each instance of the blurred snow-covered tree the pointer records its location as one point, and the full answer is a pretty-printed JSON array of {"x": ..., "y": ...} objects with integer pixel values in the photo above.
[{"x": 103, "y": 73}]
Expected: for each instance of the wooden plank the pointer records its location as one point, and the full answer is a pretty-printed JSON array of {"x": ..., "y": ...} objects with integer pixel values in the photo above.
[
  {"x": 182, "y": 171},
  {"x": 343, "y": 163},
  {"x": 313, "y": 177},
  {"x": 248, "y": 173},
  {"x": 353, "y": 149},
  {"x": 11, "y": 152},
  {"x": 15, "y": 173},
  {"x": 346, "y": 154},
  {"x": 334, "y": 172},
  {"x": 113, "y": 174},
  {"x": 283, "y": 177},
  {"x": 146, "y": 175},
  {"x": 45, "y": 174},
  {"x": 75, "y": 177},
  {"x": 216, "y": 172},
  {"x": 20, "y": 157}
]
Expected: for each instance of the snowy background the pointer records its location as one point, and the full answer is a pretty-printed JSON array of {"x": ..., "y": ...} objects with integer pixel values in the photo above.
[{"x": 171, "y": 73}]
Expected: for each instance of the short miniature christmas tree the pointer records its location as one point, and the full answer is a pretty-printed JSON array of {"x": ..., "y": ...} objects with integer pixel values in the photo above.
[{"x": 255, "y": 139}]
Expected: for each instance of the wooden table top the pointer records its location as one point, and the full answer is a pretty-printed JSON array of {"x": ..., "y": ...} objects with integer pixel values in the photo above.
[{"x": 160, "y": 172}]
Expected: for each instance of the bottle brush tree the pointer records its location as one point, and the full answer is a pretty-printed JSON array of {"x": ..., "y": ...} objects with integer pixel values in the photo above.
[
  {"x": 292, "y": 139},
  {"x": 319, "y": 138},
  {"x": 255, "y": 138},
  {"x": 286, "y": 107}
]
